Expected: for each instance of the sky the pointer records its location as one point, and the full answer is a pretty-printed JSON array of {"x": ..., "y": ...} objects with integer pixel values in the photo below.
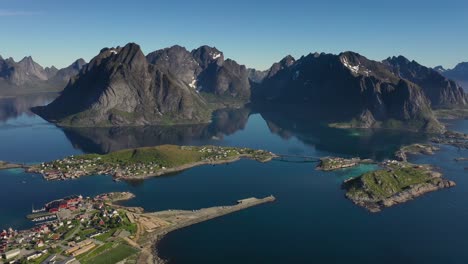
[{"x": 256, "y": 33}]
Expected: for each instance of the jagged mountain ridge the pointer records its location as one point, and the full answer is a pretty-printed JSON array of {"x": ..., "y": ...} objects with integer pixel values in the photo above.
[
  {"x": 120, "y": 87},
  {"x": 204, "y": 69},
  {"x": 441, "y": 91},
  {"x": 27, "y": 76},
  {"x": 349, "y": 85},
  {"x": 459, "y": 73}
]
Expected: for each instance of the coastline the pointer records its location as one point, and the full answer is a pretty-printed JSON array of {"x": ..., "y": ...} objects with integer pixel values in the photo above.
[
  {"x": 189, "y": 166},
  {"x": 149, "y": 252}
]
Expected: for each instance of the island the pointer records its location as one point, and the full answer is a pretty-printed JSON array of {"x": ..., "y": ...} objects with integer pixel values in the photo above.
[
  {"x": 397, "y": 182},
  {"x": 141, "y": 163},
  {"x": 425, "y": 149},
  {"x": 337, "y": 163},
  {"x": 97, "y": 230},
  {"x": 453, "y": 138}
]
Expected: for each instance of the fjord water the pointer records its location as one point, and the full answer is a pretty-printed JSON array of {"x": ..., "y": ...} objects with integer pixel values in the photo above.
[{"x": 311, "y": 221}]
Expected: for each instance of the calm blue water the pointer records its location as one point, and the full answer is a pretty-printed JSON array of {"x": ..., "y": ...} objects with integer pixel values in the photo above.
[{"x": 311, "y": 221}]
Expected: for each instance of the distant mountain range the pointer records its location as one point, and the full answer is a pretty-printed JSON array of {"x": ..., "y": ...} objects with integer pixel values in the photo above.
[
  {"x": 459, "y": 73},
  {"x": 123, "y": 87},
  {"x": 27, "y": 76}
]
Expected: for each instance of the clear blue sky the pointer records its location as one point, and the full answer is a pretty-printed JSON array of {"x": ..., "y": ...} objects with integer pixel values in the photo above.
[{"x": 253, "y": 32}]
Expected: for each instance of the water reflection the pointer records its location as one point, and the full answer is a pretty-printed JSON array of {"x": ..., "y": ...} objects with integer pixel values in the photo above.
[
  {"x": 370, "y": 143},
  {"x": 105, "y": 140},
  {"x": 13, "y": 107}
]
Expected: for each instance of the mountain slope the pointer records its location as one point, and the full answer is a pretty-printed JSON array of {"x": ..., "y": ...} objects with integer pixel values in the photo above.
[
  {"x": 347, "y": 87},
  {"x": 442, "y": 92},
  {"x": 459, "y": 74},
  {"x": 205, "y": 70},
  {"x": 119, "y": 87}
]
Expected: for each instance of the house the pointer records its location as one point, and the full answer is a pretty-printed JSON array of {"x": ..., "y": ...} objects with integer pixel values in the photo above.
[{"x": 12, "y": 254}]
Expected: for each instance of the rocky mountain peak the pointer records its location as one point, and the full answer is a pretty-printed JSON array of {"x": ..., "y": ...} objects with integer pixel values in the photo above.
[
  {"x": 205, "y": 55},
  {"x": 440, "y": 69}
]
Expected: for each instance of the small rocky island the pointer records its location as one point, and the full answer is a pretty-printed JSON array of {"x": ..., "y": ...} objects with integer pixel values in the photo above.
[
  {"x": 146, "y": 162},
  {"x": 336, "y": 163},
  {"x": 456, "y": 139},
  {"x": 396, "y": 183},
  {"x": 425, "y": 149}
]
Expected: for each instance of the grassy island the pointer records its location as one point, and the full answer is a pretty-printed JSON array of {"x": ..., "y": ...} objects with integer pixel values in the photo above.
[
  {"x": 336, "y": 163},
  {"x": 145, "y": 162},
  {"x": 396, "y": 183}
]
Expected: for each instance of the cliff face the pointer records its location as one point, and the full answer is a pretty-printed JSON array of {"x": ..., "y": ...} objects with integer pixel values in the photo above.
[
  {"x": 119, "y": 87},
  {"x": 351, "y": 86},
  {"x": 205, "y": 70},
  {"x": 441, "y": 91}
]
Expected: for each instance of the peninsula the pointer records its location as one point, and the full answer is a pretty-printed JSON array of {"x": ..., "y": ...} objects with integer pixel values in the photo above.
[
  {"x": 96, "y": 230},
  {"x": 396, "y": 183},
  {"x": 6, "y": 165},
  {"x": 141, "y": 163}
]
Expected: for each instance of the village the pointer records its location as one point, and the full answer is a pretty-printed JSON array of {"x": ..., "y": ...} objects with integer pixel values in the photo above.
[
  {"x": 144, "y": 162},
  {"x": 97, "y": 230},
  {"x": 81, "y": 225}
]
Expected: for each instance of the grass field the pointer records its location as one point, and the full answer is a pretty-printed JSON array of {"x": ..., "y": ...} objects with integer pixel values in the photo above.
[{"x": 109, "y": 253}]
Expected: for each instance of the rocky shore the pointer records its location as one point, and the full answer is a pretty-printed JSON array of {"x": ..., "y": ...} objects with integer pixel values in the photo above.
[
  {"x": 425, "y": 149},
  {"x": 396, "y": 183},
  {"x": 456, "y": 139}
]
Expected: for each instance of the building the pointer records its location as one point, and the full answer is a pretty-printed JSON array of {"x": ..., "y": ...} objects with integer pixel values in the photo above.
[{"x": 12, "y": 254}]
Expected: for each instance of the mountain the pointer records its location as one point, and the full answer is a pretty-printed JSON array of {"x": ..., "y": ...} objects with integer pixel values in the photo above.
[
  {"x": 119, "y": 87},
  {"x": 67, "y": 73},
  {"x": 346, "y": 88},
  {"x": 459, "y": 74},
  {"x": 441, "y": 91},
  {"x": 256, "y": 76},
  {"x": 205, "y": 70},
  {"x": 27, "y": 76}
]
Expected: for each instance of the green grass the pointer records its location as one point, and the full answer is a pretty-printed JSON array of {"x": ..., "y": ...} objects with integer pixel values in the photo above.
[
  {"x": 109, "y": 253},
  {"x": 39, "y": 259},
  {"x": 105, "y": 236},
  {"x": 381, "y": 184}
]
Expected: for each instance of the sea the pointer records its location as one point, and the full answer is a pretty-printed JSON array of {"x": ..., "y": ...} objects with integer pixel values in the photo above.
[{"x": 311, "y": 221}]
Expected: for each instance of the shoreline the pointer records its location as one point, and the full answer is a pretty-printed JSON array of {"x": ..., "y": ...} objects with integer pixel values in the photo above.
[
  {"x": 149, "y": 248},
  {"x": 189, "y": 166}
]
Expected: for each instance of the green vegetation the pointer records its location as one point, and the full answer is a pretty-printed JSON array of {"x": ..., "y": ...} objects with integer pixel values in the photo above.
[
  {"x": 108, "y": 253},
  {"x": 145, "y": 161},
  {"x": 380, "y": 184}
]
